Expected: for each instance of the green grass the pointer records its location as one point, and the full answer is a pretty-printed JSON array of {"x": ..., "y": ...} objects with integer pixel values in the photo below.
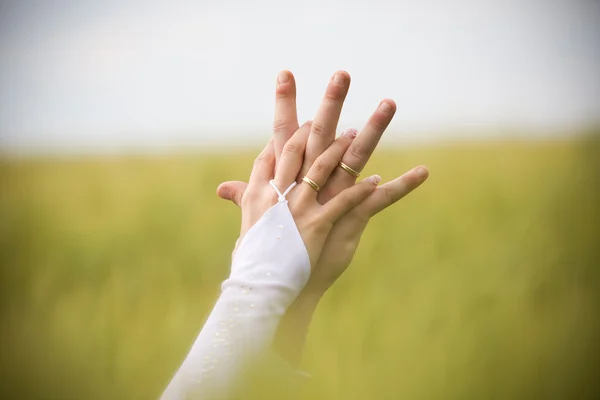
[{"x": 482, "y": 285}]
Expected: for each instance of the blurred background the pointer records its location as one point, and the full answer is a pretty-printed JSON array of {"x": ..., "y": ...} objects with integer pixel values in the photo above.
[{"x": 119, "y": 119}]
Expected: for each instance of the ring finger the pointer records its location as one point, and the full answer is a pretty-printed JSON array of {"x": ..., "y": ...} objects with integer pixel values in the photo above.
[{"x": 324, "y": 165}]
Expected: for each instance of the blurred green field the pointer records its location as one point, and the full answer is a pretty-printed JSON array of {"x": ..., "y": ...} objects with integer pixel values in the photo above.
[{"x": 484, "y": 284}]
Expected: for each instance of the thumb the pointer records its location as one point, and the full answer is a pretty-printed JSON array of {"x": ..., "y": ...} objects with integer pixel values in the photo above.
[{"x": 232, "y": 190}]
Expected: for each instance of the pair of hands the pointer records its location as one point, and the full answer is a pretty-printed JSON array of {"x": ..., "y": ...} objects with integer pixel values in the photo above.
[{"x": 331, "y": 221}]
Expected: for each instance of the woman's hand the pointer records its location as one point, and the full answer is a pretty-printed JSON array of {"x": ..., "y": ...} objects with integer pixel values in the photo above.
[{"x": 313, "y": 220}]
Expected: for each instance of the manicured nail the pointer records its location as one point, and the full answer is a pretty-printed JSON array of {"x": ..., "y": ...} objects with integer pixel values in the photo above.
[
  {"x": 374, "y": 179},
  {"x": 385, "y": 107},
  {"x": 339, "y": 79},
  {"x": 283, "y": 77},
  {"x": 350, "y": 132}
]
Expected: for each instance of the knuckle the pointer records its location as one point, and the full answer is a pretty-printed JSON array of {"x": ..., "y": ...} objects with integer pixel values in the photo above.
[
  {"x": 357, "y": 150},
  {"x": 282, "y": 92},
  {"x": 333, "y": 94},
  {"x": 320, "y": 166},
  {"x": 261, "y": 158},
  {"x": 292, "y": 147},
  {"x": 318, "y": 129},
  {"x": 379, "y": 122},
  {"x": 336, "y": 92},
  {"x": 390, "y": 197},
  {"x": 410, "y": 180},
  {"x": 280, "y": 125},
  {"x": 378, "y": 125}
]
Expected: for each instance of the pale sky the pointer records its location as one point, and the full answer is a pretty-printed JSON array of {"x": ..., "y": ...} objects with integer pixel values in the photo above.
[{"x": 154, "y": 74}]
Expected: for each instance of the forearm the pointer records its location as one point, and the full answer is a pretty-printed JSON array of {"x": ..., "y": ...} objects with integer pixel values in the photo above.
[
  {"x": 292, "y": 331},
  {"x": 232, "y": 340},
  {"x": 269, "y": 270}
]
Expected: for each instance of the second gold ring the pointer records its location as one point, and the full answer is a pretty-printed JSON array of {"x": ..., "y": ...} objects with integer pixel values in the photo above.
[
  {"x": 312, "y": 183},
  {"x": 349, "y": 170}
]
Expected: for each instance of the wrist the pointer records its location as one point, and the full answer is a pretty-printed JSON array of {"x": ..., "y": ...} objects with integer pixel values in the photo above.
[{"x": 307, "y": 300}]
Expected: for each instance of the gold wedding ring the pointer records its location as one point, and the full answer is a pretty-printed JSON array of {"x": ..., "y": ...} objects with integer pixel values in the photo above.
[
  {"x": 349, "y": 170},
  {"x": 312, "y": 183}
]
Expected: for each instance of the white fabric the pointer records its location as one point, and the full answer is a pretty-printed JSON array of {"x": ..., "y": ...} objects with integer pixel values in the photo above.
[{"x": 269, "y": 269}]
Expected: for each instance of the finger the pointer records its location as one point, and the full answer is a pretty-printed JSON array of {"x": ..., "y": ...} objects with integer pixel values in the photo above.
[
  {"x": 264, "y": 165},
  {"x": 233, "y": 191},
  {"x": 390, "y": 192},
  {"x": 324, "y": 126},
  {"x": 358, "y": 154},
  {"x": 291, "y": 158},
  {"x": 349, "y": 198},
  {"x": 285, "y": 122},
  {"x": 324, "y": 165},
  {"x": 360, "y": 150}
]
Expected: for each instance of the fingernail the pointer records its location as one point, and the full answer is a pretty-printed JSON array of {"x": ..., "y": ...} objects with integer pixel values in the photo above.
[
  {"x": 350, "y": 132},
  {"x": 283, "y": 77},
  {"x": 338, "y": 79},
  {"x": 374, "y": 179},
  {"x": 385, "y": 107},
  {"x": 422, "y": 172}
]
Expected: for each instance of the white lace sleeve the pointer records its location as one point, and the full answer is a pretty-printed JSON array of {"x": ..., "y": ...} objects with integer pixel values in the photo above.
[{"x": 269, "y": 269}]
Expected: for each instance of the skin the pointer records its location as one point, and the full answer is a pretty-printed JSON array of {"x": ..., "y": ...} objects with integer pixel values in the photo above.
[
  {"x": 313, "y": 220},
  {"x": 344, "y": 236}
]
